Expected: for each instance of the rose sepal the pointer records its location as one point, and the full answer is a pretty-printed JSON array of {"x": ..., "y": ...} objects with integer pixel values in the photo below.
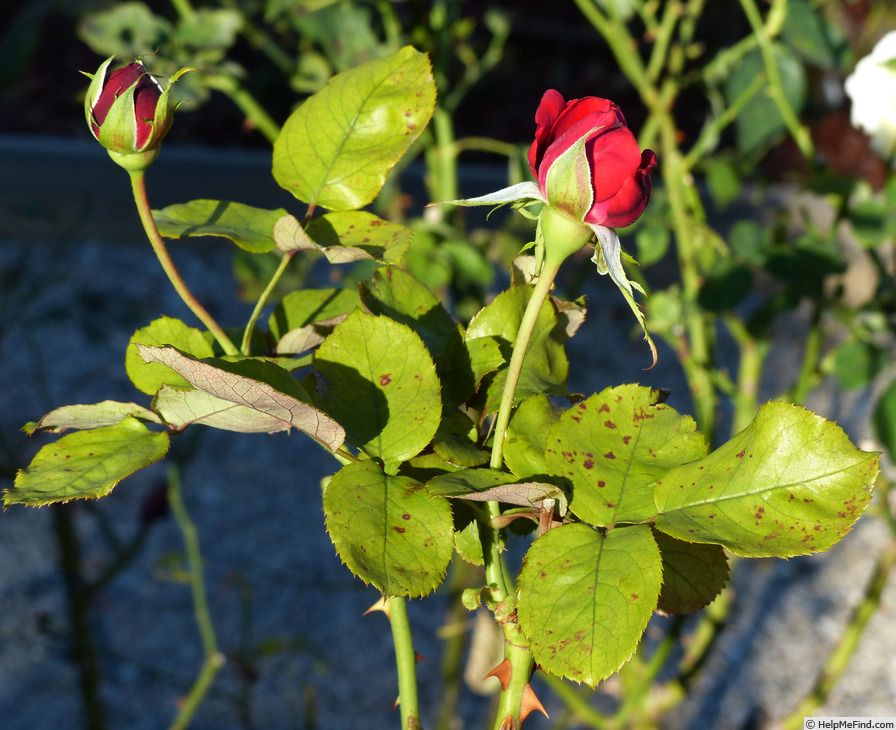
[
  {"x": 567, "y": 183},
  {"x": 524, "y": 191},
  {"x": 608, "y": 259},
  {"x": 97, "y": 82}
]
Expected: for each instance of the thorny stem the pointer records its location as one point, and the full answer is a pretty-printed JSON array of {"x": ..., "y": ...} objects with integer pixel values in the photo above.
[
  {"x": 138, "y": 185},
  {"x": 516, "y": 647},
  {"x": 405, "y": 662},
  {"x": 214, "y": 659}
]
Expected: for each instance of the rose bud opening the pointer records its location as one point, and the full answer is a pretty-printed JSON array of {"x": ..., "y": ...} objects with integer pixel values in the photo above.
[
  {"x": 617, "y": 188},
  {"x": 129, "y": 113},
  {"x": 146, "y": 91}
]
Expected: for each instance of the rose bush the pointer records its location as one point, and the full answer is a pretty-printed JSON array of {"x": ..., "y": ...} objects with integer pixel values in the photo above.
[{"x": 619, "y": 170}]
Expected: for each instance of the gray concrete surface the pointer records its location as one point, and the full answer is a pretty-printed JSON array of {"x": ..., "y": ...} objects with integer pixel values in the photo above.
[{"x": 76, "y": 279}]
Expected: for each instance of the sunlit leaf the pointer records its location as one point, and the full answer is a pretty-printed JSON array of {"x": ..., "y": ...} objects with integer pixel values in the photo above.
[
  {"x": 252, "y": 229},
  {"x": 336, "y": 149},
  {"x": 94, "y": 415},
  {"x": 613, "y": 446},
  {"x": 790, "y": 483},
  {"x": 388, "y": 530},
  {"x": 375, "y": 377},
  {"x": 162, "y": 332},
  {"x": 345, "y": 237},
  {"x": 87, "y": 464},
  {"x": 585, "y": 598}
]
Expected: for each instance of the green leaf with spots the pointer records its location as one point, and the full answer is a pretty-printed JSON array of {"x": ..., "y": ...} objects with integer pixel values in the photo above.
[
  {"x": 87, "y": 464},
  {"x": 693, "y": 574},
  {"x": 388, "y": 530},
  {"x": 345, "y": 237},
  {"x": 336, "y": 149},
  {"x": 376, "y": 378},
  {"x": 252, "y": 229},
  {"x": 148, "y": 377},
  {"x": 585, "y": 598},
  {"x": 545, "y": 367},
  {"x": 527, "y": 436},
  {"x": 613, "y": 446},
  {"x": 790, "y": 483}
]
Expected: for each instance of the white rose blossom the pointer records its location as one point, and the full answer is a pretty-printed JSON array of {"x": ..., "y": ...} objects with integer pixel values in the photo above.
[{"x": 872, "y": 88}]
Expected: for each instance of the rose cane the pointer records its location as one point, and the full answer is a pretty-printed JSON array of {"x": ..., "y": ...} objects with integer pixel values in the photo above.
[
  {"x": 129, "y": 113},
  {"x": 592, "y": 178}
]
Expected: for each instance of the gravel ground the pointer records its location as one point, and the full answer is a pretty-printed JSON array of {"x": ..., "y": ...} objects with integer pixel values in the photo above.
[{"x": 75, "y": 281}]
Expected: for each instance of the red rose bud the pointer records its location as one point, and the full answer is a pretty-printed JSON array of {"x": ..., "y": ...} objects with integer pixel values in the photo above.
[
  {"x": 587, "y": 161},
  {"x": 129, "y": 113}
]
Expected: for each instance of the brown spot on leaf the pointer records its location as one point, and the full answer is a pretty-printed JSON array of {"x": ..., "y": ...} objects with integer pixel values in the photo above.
[
  {"x": 604, "y": 409},
  {"x": 588, "y": 464},
  {"x": 398, "y": 529},
  {"x": 601, "y": 483},
  {"x": 385, "y": 379},
  {"x": 405, "y": 516},
  {"x": 609, "y": 455},
  {"x": 741, "y": 454},
  {"x": 609, "y": 424}
]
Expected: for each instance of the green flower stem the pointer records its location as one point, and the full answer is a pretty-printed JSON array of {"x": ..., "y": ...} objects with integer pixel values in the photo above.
[
  {"x": 405, "y": 662},
  {"x": 764, "y": 34},
  {"x": 262, "y": 300},
  {"x": 808, "y": 376},
  {"x": 442, "y": 158},
  {"x": 663, "y": 39},
  {"x": 753, "y": 351},
  {"x": 214, "y": 659},
  {"x": 710, "y": 134},
  {"x": 520, "y": 346},
  {"x": 246, "y": 103},
  {"x": 138, "y": 185}
]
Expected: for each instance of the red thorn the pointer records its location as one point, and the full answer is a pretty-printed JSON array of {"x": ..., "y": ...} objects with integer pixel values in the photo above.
[
  {"x": 419, "y": 657},
  {"x": 530, "y": 703},
  {"x": 502, "y": 672},
  {"x": 508, "y": 724}
]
